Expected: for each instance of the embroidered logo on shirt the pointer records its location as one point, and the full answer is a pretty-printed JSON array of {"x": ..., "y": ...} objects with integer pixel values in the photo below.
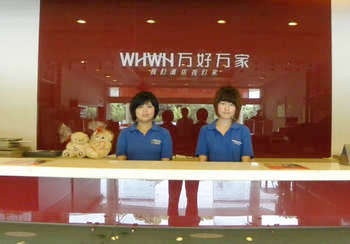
[
  {"x": 156, "y": 141},
  {"x": 236, "y": 142}
]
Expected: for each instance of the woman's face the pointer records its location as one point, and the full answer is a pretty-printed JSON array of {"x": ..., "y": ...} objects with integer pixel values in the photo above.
[
  {"x": 226, "y": 110},
  {"x": 145, "y": 112}
]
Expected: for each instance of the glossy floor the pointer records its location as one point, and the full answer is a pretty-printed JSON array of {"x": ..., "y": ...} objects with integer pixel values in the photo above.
[
  {"x": 146, "y": 202},
  {"x": 14, "y": 233}
]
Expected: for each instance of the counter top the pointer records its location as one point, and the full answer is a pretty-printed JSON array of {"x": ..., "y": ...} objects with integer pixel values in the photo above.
[{"x": 110, "y": 168}]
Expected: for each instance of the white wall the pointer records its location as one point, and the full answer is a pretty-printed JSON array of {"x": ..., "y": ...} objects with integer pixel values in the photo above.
[
  {"x": 341, "y": 74},
  {"x": 19, "y": 25}
]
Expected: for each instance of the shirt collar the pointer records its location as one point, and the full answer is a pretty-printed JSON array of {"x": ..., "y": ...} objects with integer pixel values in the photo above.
[
  {"x": 212, "y": 126},
  {"x": 134, "y": 128}
]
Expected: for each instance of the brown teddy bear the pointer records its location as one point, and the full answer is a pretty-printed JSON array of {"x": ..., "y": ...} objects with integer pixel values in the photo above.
[
  {"x": 76, "y": 148},
  {"x": 100, "y": 143}
]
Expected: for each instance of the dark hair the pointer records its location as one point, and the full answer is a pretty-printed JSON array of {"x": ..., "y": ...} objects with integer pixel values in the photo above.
[
  {"x": 202, "y": 114},
  {"x": 140, "y": 99},
  {"x": 228, "y": 94},
  {"x": 168, "y": 116},
  {"x": 184, "y": 111}
]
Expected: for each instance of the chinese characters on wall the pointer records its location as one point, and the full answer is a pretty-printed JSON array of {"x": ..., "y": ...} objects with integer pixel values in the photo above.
[{"x": 184, "y": 63}]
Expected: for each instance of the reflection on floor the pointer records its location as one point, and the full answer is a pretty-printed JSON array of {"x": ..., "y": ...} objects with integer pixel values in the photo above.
[
  {"x": 146, "y": 203},
  {"x": 73, "y": 234}
]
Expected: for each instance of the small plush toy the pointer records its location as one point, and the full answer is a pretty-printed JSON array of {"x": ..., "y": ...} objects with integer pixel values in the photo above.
[
  {"x": 64, "y": 132},
  {"x": 100, "y": 143},
  {"x": 76, "y": 148}
]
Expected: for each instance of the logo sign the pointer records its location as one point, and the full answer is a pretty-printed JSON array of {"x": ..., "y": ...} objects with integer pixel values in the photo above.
[{"x": 184, "y": 63}]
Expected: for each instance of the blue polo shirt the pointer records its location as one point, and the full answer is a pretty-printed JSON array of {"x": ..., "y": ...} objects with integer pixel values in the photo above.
[
  {"x": 155, "y": 145},
  {"x": 229, "y": 147}
]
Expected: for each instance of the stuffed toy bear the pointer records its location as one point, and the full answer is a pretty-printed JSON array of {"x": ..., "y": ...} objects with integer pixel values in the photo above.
[
  {"x": 100, "y": 143},
  {"x": 79, "y": 142}
]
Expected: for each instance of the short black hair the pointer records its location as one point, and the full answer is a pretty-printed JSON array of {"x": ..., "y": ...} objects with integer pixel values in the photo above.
[
  {"x": 228, "y": 94},
  {"x": 167, "y": 115},
  {"x": 202, "y": 114},
  {"x": 140, "y": 99}
]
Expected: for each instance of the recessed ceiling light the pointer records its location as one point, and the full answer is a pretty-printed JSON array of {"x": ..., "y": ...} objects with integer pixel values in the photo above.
[
  {"x": 293, "y": 23},
  {"x": 221, "y": 21},
  {"x": 81, "y": 21},
  {"x": 83, "y": 62},
  {"x": 107, "y": 76},
  {"x": 150, "y": 21}
]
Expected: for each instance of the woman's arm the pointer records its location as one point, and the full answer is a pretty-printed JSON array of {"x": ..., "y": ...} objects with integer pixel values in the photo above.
[
  {"x": 201, "y": 148},
  {"x": 121, "y": 147},
  {"x": 167, "y": 146},
  {"x": 247, "y": 152}
]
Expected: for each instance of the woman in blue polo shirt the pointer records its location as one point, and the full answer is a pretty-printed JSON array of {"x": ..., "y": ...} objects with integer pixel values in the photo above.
[
  {"x": 225, "y": 139},
  {"x": 144, "y": 140}
]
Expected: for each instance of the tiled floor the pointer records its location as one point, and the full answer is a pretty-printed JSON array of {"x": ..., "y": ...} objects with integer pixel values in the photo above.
[{"x": 145, "y": 202}]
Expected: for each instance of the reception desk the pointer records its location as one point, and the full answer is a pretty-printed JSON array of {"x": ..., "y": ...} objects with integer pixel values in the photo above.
[
  {"x": 266, "y": 194},
  {"x": 327, "y": 169}
]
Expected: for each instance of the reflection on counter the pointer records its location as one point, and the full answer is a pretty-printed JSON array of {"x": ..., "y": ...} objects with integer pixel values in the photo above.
[
  {"x": 308, "y": 139},
  {"x": 146, "y": 202}
]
